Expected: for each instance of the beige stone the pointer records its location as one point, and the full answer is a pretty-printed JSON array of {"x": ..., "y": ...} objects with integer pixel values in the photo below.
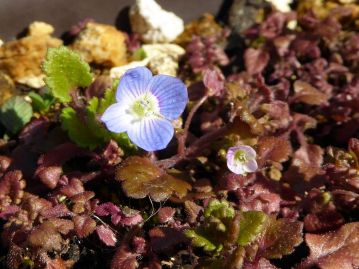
[
  {"x": 163, "y": 58},
  {"x": 21, "y": 59},
  {"x": 39, "y": 28},
  {"x": 7, "y": 87},
  {"x": 101, "y": 44}
]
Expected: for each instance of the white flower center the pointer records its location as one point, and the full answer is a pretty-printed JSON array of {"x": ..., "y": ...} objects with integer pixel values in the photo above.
[
  {"x": 240, "y": 156},
  {"x": 145, "y": 106}
]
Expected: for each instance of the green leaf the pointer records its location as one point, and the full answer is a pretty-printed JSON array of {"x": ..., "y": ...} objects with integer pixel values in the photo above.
[
  {"x": 251, "y": 225},
  {"x": 41, "y": 103},
  {"x": 139, "y": 54},
  {"x": 199, "y": 240},
  {"x": 87, "y": 131},
  {"x": 101, "y": 105},
  {"x": 219, "y": 209},
  {"x": 65, "y": 70},
  {"x": 218, "y": 227},
  {"x": 15, "y": 113},
  {"x": 218, "y": 213},
  {"x": 96, "y": 108},
  {"x": 78, "y": 130}
]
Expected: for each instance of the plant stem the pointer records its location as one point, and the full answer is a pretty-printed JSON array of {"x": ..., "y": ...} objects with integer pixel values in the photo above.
[{"x": 182, "y": 138}]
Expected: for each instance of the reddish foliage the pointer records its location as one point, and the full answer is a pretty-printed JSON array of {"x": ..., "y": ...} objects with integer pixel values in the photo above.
[
  {"x": 84, "y": 225},
  {"x": 124, "y": 259},
  {"x": 255, "y": 60},
  {"x": 335, "y": 249},
  {"x": 106, "y": 235},
  {"x": 164, "y": 239},
  {"x": 165, "y": 214}
]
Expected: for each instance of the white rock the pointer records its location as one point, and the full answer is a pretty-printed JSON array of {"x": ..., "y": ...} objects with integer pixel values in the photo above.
[
  {"x": 163, "y": 58},
  {"x": 281, "y": 5},
  {"x": 160, "y": 58},
  {"x": 32, "y": 81},
  {"x": 117, "y": 72},
  {"x": 154, "y": 24},
  {"x": 172, "y": 50}
]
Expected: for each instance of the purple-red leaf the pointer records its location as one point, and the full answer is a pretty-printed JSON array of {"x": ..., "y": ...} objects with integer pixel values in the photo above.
[
  {"x": 124, "y": 259},
  {"x": 46, "y": 236},
  {"x": 336, "y": 249},
  {"x": 165, "y": 214},
  {"x": 275, "y": 149},
  {"x": 84, "y": 225},
  {"x": 255, "y": 60},
  {"x": 106, "y": 235},
  {"x": 50, "y": 175},
  {"x": 306, "y": 93},
  {"x": 281, "y": 237},
  {"x": 165, "y": 239},
  {"x": 213, "y": 80}
]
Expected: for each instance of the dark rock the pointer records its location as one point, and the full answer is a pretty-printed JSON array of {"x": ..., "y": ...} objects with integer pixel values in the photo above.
[{"x": 243, "y": 13}]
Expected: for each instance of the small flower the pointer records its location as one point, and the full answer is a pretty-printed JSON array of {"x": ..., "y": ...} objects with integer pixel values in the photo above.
[
  {"x": 241, "y": 159},
  {"x": 145, "y": 107}
]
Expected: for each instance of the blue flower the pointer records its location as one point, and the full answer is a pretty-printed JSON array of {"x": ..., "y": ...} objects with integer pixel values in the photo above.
[
  {"x": 242, "y": 159},
  {"x": 145, "y": 107}
]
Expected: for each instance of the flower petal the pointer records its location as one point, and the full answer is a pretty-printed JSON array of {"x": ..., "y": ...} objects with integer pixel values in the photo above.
[
  {"x": 250, "y": 152},
  {"x": 116, "y": 118},
  {"x": 251, "y": 166},
  {"x": 151, "y": 134},
  {"x": 171, "y": 94},
  {"x": 236, "y": 168},
  {"x": 133, "y": 84}
]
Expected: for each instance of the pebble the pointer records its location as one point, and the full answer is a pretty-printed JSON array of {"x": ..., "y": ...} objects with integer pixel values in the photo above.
[
  {"x": 154, "y": 24},
  {"x": 22, "y": 59},
  {"x": 101, "y": 44},
  {"x": 160, "y": 58}
]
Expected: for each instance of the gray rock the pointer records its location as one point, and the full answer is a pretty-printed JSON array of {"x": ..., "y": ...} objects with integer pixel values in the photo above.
[{"x": 243, "y": 13}]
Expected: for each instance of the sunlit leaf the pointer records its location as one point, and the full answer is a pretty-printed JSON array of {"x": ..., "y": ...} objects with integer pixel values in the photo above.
[
  {"x": 200, "y": 240},
  {"x": 251, "y": 225},
  {"x": 65, "y": 70},
  {"x": 271, "y": 148},
  {"x": 306, "y": 93},
  {"x": 141, "y": 178}
]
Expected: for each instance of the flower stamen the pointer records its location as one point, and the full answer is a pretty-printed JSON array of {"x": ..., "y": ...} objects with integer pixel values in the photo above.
[
  {"x": 145, "y": 106},
  {"x": 240, "y": 156}
]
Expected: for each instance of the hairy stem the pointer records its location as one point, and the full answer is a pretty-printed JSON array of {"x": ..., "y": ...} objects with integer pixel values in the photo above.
[{"x": 183, "y": 137}]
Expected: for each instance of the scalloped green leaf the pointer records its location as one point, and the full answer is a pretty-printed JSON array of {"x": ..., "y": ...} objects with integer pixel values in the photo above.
[
  {"x": 219, "y": 209},
  {"x": 251, "y": 225},
  {"x": 78, "y": 130},
  {"x": 65, "y": 70},
  {"x": 41, "y": 103},
  {"x": 15, "y": 113},
  {"x": 199, "y": 240}
]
